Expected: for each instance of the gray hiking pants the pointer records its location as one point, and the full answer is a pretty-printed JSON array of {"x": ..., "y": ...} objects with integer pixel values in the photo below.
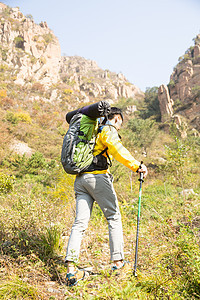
[{"x": 89, "y": 188}]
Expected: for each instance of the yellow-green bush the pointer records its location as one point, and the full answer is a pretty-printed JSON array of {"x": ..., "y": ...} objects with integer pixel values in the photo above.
[
  {"x": 63, "y": 190},
  {"x": 6, "y": 183},
  {"x": 3, "y": 93},
  {"x": 68, "y": 92},
  {"x": 23, "y": 117},
  {"x": 48, "y": 38},
  {"x": 42, "y": 60},
  {"x": 15, "y": 288},
  {"x": 17, "y": 117},
  {"x": 10, "y": 117}
]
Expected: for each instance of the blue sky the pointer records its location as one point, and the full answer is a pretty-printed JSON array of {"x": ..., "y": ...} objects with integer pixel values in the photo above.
[{"x": 142, "y": 39}]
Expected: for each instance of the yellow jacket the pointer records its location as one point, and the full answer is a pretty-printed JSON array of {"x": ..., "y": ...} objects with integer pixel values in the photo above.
[{"x": 109, "y": 137}]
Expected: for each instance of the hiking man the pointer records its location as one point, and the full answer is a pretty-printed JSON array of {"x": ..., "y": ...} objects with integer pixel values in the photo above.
[{"x": 97, "y": 185}]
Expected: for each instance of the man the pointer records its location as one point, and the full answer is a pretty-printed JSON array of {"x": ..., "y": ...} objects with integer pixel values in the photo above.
[{"x": 97, "y": 186}]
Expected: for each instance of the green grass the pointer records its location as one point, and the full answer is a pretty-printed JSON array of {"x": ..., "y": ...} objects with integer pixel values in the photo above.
[
  {"x": 39, "y": 213},
  {"x": 16, "y": 288}
]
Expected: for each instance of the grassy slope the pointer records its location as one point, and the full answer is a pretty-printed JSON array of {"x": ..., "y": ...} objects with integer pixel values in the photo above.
[{"x": 37, "y": 211}]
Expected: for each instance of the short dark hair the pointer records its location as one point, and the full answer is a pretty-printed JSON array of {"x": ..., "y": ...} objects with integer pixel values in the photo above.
[{"x": 115, "y": 111}]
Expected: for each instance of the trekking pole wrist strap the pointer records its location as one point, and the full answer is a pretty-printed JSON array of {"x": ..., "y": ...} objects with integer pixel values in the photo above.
[{"x": 139, "y": 167}]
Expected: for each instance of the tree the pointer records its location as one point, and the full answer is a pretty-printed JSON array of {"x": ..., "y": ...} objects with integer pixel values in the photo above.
[
  {"x": 144, "y": 132},
  {"x": 151, "y": 108}
]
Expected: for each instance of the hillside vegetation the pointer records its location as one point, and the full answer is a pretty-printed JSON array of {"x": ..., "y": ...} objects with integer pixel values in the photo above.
[
  {"x": 37, "y": 88},
  {"x": 38, "y": 208}
]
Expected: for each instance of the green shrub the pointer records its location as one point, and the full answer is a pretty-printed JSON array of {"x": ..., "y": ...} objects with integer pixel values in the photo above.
[
  {"x": 150, "y": 108},
  {"x": 19, "y": 42},
  {"x": 12, "y": 118},
  {"x": 171, "y": 84},
  {"x": 17, "y": 117},
  {"x": 143, "y": 132},
  {"x": 17, "y": 163},
  {"x": 36, "y": 163},
  {"x": 51, "y": 241},
  {"x": 196, "y": 91},
  {"x": 123, "y": 103},
  {"x": 4, "y": 54},
  {"x": 6, "y": 183},
  {"x": 177, "y": 164},
  {"x": 48, "y": 38}
]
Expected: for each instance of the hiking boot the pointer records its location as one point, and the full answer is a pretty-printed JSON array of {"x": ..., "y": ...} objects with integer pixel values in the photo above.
[
  {"x": 73, "y": 279},
  {"x": 123, "y": 270}
]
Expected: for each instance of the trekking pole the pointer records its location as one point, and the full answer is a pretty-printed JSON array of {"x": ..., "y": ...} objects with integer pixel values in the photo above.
[{"x": 138, "y": 221}]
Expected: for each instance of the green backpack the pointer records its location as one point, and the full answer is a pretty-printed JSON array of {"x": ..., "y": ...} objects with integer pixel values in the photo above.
[{"x": 78, "y": 145}]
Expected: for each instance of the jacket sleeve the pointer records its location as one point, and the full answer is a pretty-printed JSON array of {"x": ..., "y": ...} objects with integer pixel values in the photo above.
[{"x": 110, "y": 138}]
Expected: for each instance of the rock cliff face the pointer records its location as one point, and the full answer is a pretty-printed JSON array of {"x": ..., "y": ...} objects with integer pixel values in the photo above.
[
  {"x": 32, "y": 54},
  {"x": 166, "y": 103},
  {"x": 31, "y": 50},
  {"x": 92, "y": 82},
  {"x": 182, "y": 96}
]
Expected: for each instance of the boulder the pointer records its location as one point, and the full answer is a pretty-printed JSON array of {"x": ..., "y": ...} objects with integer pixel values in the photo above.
[
  {"x": 21, "y": 148},
  {"x": 187, "y": 192}
]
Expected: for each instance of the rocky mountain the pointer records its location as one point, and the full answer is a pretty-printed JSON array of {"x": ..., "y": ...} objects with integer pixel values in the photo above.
[
  {"x": 31, "y": 60},
  {"x": 31, "y": 54},
  {"x": 180, "y": 100},
  {"x": 92, "y": 82},
  {"x": 31, "y": 50}
]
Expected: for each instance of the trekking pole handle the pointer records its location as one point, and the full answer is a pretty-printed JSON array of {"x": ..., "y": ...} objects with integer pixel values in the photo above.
[{"x": 141, "y": 174}]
